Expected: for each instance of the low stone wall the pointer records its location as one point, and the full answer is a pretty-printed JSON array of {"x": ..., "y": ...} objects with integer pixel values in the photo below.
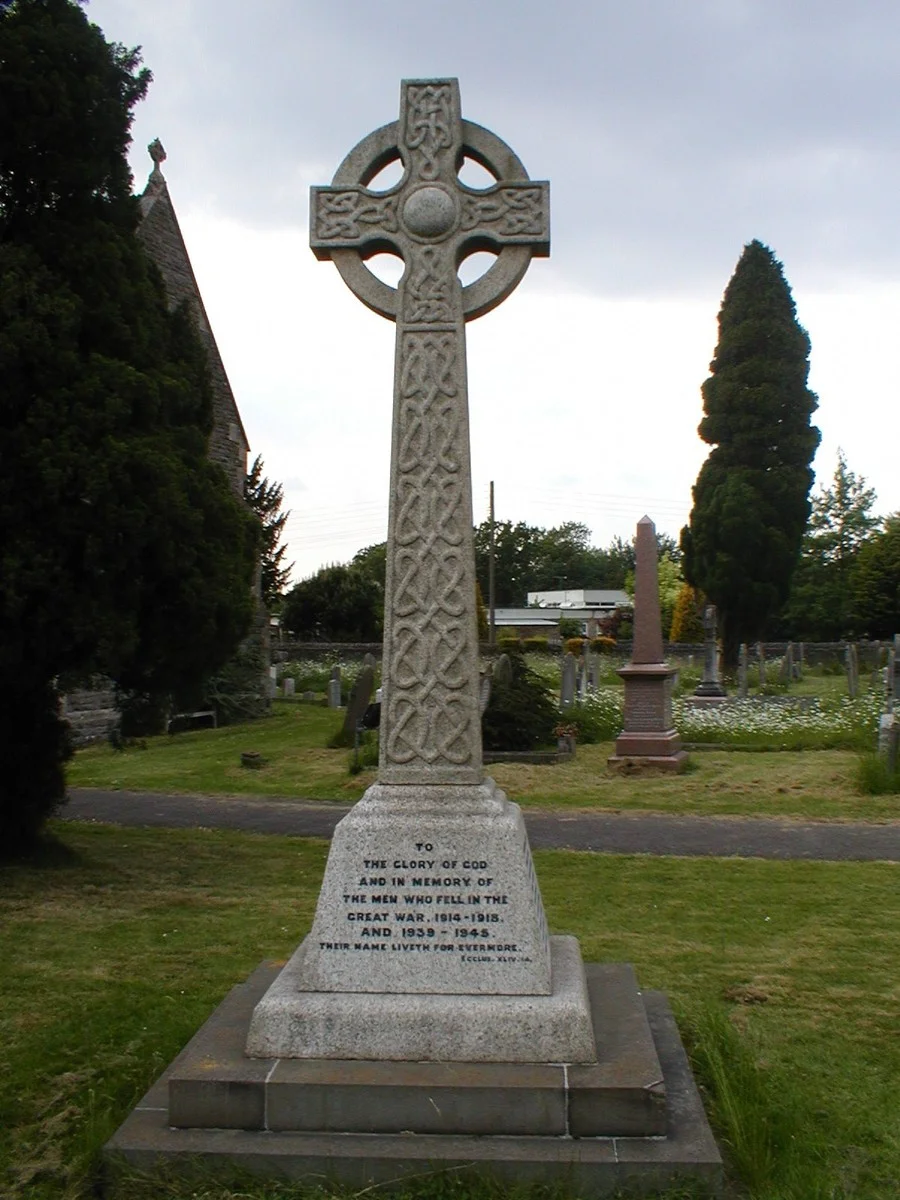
[{"x": 91, "y": 712}]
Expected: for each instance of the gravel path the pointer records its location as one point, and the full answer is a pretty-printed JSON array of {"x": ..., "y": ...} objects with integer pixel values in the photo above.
[{"x": 601, "y": 832}]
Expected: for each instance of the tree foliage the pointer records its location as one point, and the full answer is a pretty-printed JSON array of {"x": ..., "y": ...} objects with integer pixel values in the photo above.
[
  {"x": 265, "y": 499},
  {"x": 751, "y": 498},
  {"x": 122, "y": 548},
  {"x": 687, "y": 616},
  {"x": 821, "y": 605},
  {"x": 528, "y": 558},
  {"x": 337, "y": 604},
  {"x": 876, "y": 583}
]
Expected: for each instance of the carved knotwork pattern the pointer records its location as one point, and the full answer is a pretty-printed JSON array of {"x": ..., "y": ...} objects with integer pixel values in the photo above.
[
  {"x": 509, "y": 212},
  {"x": 428, "y": 292},
  {"x": 429, "y": 128},
  {"x": 347, "y": 216},
  {"x": 430, "y": 714}
]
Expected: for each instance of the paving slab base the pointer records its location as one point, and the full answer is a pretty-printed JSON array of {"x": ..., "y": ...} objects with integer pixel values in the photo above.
[{"x": 216, "y": 1112}]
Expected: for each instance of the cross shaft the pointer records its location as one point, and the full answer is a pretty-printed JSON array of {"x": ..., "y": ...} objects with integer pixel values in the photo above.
[{"x": 430, "y": 724}]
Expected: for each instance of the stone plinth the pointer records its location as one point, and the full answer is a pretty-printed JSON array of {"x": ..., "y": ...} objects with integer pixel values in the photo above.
[
  {"x": 420, "y": 1026},
  {"x": 429, "y": 942},
  {"x": 429, "y": 876},
  {"x": 632, "y": 1118}
]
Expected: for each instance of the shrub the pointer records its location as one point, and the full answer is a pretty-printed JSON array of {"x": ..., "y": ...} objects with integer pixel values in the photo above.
[
  {"x": 603, "y": 644},
  {"x": 575, "y": 645},
  {"x": 569, "y": 627},
  {"x": 520, "y": 714},
  {"x": 33, "y": 784},
  {"x": 509, "y": 642},
  {"x": 535, "y": 645}
]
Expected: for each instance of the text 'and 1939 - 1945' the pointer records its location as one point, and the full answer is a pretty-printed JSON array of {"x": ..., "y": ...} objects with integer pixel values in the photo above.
[{"x": 427, "y": 903}]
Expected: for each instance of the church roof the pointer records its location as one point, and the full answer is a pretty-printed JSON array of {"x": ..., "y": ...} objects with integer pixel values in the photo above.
[{"x": 162, "y": 238}]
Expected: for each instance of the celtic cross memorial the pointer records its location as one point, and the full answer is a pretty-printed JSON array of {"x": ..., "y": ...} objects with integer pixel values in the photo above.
[
  {"x": 430, "y": 721},
  {"x": 429, "y": 940}
]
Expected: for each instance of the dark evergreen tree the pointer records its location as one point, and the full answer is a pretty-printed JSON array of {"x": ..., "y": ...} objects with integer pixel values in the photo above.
[
  {"x": 123, "y": 550},
  {"x": 520, "y": 714},
  {"x": 751, "y": 498},
  {"x": 265, "y": 499},
  {"x": 337, "y": 604}
]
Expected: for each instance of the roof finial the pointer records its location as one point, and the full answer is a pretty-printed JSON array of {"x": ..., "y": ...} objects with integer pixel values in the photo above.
[{"x": 157, "y": 152}]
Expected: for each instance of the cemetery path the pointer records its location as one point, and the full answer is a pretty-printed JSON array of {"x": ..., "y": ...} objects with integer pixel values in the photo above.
[{"x": 600, "y": 832}]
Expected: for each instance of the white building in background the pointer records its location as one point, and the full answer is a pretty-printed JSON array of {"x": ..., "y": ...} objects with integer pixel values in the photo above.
[
  {"x": 541, "y": 618},
  {"x": 598, "y": 599}
]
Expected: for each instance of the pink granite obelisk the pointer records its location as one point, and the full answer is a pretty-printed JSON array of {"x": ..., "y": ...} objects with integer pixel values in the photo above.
[{"x": 649, "y": 737}]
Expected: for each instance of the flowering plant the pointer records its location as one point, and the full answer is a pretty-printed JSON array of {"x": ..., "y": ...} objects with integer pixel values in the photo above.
[{"x": 565, "y": 731}]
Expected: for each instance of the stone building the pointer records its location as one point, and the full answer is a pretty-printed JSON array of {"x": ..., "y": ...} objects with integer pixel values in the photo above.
[{"x": 160, "y": 234}]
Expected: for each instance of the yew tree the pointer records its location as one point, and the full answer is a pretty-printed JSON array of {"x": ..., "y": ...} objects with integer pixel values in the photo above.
[
  {"x": 751, "y": 498},
  {"x": 123, "y": 550}
]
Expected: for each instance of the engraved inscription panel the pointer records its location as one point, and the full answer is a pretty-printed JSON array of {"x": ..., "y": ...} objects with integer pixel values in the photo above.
[
  {"x": 648, "y": 707},
  {"x": 469, "y": 906}
]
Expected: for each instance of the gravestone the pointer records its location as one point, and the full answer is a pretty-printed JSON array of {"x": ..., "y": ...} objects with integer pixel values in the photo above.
[
  {"x": 761, "y": 660},
  {"x": 290, "y": 685},
  {"x": 357, "y": 703},
  {"x": 369, "y": 660},
  {"x": 590, "y": 669},
  {"x": 743, "y": 660},
  {"x": 649, "y": 737},
  {"x": 429, "y": 1015},
  {"x": 851, "y": 664},
  {"x": 273, "y": 681},
  {"x": 786, "y": 674},
  {"x": 710, "y": 686},
  {"x": 888, "y": 732},
  {"x": 567, "y": 686},
  {"x": 503, "y": 671},
  {"x": 334, "y": 688}
]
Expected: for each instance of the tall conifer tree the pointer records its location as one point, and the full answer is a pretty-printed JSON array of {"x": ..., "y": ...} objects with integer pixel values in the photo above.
[
  {"x": 122, "y": 548},
  {"x": 751, "y": 498}
]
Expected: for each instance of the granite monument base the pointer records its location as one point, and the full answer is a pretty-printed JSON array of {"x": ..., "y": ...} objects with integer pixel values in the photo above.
[
  {"x": 633, "y": 1118},
  {"x": 291, "y": 1022},
  {"x": 659, "y": 751}
]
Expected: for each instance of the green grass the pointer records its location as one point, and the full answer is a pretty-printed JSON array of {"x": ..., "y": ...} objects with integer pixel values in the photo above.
[
  {"x": 117, "y": 944},
  {"x": 820, "y": 785},
  {"x": 293, "y": 740}
]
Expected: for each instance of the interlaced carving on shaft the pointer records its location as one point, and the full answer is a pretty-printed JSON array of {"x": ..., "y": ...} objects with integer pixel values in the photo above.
[
  {"x": 429, "y": 709},
  {"x": 429, "y": 128},
  {"x": 429, "y": 292}
]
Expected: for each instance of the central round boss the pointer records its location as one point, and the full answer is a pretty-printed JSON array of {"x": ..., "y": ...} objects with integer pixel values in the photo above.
[{"x": 429, "y": 212}]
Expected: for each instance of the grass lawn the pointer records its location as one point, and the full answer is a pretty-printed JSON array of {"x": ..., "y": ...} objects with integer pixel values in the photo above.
[
  {"x": 116, "y": 944},
  {"x": 812, "y": 785}
]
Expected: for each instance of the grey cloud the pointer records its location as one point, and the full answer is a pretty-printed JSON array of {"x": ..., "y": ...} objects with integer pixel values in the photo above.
[{"x": 671, "y": 134}]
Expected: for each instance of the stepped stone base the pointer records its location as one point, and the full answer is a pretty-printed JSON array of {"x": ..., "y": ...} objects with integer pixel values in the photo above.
[
  {"x": 292, "y": 1023},
  {"x": 631, "y": 1119}
]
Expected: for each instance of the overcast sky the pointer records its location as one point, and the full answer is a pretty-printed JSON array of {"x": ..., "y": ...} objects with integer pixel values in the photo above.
[{"x": 672, "y": 132}]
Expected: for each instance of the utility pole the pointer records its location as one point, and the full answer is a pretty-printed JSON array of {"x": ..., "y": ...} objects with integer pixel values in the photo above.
[{"x": 492, "y": 632}]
